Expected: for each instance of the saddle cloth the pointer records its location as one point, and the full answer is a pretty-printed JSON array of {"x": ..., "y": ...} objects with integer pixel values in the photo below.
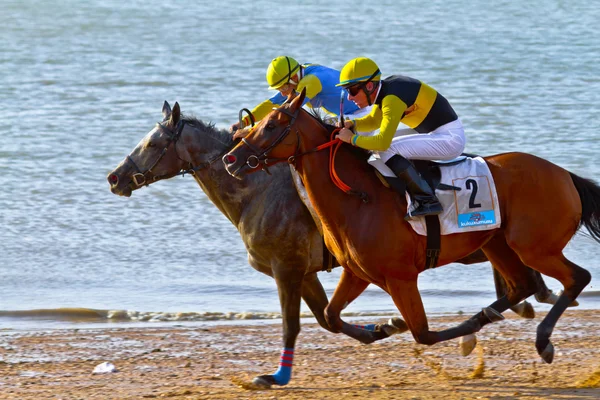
[{"x": 472, "y": 208}]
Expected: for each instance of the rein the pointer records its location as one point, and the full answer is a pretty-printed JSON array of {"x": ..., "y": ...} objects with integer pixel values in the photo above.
[{"x": 254, "y": 161}]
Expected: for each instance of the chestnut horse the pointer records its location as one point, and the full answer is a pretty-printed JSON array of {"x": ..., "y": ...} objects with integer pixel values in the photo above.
[{"x": 542, "y": 206}]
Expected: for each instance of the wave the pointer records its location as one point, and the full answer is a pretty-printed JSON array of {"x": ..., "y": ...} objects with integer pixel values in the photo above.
[
  {"x": 90, "y": 315},
  {"x": 94, "y": 315}
]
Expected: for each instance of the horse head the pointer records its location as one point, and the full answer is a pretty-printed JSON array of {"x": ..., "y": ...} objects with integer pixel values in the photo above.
[
  {"x": 154, "y": 158},
  {"x": 269, "y": 142}
]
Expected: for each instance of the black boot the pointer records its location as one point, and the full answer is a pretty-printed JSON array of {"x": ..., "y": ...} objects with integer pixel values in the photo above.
[{"x": 417, "y": 187}]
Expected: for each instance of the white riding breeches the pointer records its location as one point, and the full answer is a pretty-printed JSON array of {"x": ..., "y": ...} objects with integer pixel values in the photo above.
[{"x": 445, "y": 143}]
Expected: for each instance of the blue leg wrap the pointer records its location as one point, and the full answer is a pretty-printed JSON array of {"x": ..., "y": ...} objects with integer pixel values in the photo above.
[
  {"x": 369, "y": 327},
  {"x": 284, "y": 373}
]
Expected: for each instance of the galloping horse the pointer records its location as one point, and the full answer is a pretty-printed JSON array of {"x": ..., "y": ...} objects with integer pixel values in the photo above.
[
  {"x": 284, "y": 245},
  {"x": 542, "y": 206}
]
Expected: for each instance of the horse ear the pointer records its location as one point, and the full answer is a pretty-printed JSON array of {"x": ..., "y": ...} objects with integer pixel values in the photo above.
[
  {"x": 175, "y": 115},
  {"x": 292, "y": 96},
  {"x": 297, "y": 102},
  {"x": 166, "y": 111}
]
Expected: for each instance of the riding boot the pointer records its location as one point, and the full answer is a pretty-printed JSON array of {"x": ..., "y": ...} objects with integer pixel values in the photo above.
[{"x": 417, "y": 187}]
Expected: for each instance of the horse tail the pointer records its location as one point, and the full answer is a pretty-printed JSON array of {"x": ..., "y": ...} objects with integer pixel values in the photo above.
[{"x": 589, "y": 193}]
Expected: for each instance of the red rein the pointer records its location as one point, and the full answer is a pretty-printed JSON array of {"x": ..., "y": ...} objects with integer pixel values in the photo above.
[{"x": 332, "y": 153}]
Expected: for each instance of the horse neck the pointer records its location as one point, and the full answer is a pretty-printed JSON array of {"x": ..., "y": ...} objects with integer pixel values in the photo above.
[
  {"x": 230, "y": 195},
  {"x": 313, "y": 168}
]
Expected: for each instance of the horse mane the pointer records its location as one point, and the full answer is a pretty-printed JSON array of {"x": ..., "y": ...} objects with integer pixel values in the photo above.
[
  {"x": 324, "y": 119},
  {"x": 222, "y": 135}
]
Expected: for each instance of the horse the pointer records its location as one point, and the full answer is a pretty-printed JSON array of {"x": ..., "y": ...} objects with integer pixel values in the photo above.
[
  {"x": 286, "y": 246},
  {"x": 542, "y": 206}
]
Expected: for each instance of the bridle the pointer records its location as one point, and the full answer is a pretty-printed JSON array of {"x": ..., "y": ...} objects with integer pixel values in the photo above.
[
  {"x": 261, "y": 157},
  {"x": 147, "y": 177}
]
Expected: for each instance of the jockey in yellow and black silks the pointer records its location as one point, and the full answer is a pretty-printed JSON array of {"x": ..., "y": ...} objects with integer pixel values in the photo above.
[
  {"x": 434, "y": 133},
  {"x": 285, "y": 75}
]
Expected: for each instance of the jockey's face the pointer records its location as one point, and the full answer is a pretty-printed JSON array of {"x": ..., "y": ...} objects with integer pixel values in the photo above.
[
  {"x": 360, "y": 97},
  {"x": 287, "y": 89}
]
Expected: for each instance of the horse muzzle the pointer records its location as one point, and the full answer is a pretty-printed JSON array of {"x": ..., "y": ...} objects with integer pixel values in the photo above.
[
  {"x": 116, "y": 188},
  {"x": 232, "y": 165}
]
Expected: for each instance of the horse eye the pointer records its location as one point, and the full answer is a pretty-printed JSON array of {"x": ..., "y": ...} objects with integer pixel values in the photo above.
[
  {"x": 270, "y": 126},
  {"x": 151, "y": 144}
]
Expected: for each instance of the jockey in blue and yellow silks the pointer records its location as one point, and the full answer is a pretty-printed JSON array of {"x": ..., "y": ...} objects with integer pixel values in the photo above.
[
  {"x": 285, "y": 75},
  {"x": 435, "y": 131}
]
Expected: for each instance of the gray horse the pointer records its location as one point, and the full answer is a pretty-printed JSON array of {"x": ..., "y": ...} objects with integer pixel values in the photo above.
[{"x": 278, "y": 231}]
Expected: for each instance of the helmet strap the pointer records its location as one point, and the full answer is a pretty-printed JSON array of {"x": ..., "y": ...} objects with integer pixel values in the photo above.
[{"x": 368, "y": 93}]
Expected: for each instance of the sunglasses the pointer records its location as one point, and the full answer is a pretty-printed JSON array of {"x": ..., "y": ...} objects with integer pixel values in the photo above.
[{"x": 353, "y": 90}]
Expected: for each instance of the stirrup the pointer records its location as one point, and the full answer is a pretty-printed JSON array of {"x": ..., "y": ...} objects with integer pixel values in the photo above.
[{"x": 423, "y": 211}]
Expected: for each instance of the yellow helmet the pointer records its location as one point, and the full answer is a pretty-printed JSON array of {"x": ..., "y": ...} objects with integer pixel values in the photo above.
[
  {"x": 360, "y": 69},
  {"x": 280, "y": 71}
]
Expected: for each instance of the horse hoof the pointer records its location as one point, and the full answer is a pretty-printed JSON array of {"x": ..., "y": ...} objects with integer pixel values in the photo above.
[
  {"x": 524, "y": 310},
  {"x": 552, "y": 298},
  {"x": 467, "y": 344},
  {"x": 548, "y": 353},
  {"x": 394, "y": 326},
  {"x": 492, "y": 314},
  {"x": 264, "y": 381}
]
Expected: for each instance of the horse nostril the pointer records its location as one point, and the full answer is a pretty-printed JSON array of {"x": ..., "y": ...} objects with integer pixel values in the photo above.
[
  {"x": 229, "y": 159},
  {"x": 113, "y": 179}
]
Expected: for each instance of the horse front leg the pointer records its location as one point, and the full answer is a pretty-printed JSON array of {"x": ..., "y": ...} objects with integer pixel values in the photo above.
[
  {"x": 348, "y": 289},
  {"x": 316, "y": 299},
  {"x": 289, "y": 287}
]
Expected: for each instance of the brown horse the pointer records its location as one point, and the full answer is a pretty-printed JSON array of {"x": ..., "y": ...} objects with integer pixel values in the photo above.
[{"x": 542, "y": 206}]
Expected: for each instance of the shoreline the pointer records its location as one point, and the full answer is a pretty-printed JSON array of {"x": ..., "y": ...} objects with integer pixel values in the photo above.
[{"x": 219, "y": 362}]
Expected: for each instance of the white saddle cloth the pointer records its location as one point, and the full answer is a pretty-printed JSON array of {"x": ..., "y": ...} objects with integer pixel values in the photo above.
[{"x": 473, "y": 208}]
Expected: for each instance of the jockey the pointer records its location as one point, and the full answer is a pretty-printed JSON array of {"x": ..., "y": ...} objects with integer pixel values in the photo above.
[
  {"x": 435, "y": 131},
  {"x": 285, "y": 75}
]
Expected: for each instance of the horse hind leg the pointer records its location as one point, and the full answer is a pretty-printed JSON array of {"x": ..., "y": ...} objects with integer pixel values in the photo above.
[
  {"x": 574, "y": 279},
  {"x": 524, "y": 309},
  {"x": 521, "y": 284},
  {"x": 519, "y": 281}
]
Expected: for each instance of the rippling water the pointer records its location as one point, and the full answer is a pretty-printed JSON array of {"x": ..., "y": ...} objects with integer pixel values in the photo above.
[{"x": 82, "y": 82}]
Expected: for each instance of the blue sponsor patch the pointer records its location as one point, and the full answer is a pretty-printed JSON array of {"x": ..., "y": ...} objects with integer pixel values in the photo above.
[{"x": 476, "y": 218}]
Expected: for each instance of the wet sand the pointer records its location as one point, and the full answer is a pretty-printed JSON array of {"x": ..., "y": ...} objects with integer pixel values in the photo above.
[{"x": 219, "y": 362}]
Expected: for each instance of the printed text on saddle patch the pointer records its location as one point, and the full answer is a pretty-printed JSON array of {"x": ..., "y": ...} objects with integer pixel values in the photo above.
[{"x": 472, "y": 208}]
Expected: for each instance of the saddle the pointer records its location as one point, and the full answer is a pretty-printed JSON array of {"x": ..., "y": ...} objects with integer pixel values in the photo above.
[{"x": 431, "y": 172}]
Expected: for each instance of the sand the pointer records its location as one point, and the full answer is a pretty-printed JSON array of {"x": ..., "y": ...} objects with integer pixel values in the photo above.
[{"x": 194, "y": 362}]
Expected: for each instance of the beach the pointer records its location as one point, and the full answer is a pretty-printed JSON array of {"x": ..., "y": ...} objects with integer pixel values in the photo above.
[{"x": 219, "y": 362}]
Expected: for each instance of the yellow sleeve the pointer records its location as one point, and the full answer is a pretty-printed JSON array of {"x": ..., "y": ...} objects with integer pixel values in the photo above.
[
  {"x": 369, "y": 122},
  {"x": 312, "y": 84},
  {"x": 260, "y": 111},
  {"x": 390, "y": 114}
]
